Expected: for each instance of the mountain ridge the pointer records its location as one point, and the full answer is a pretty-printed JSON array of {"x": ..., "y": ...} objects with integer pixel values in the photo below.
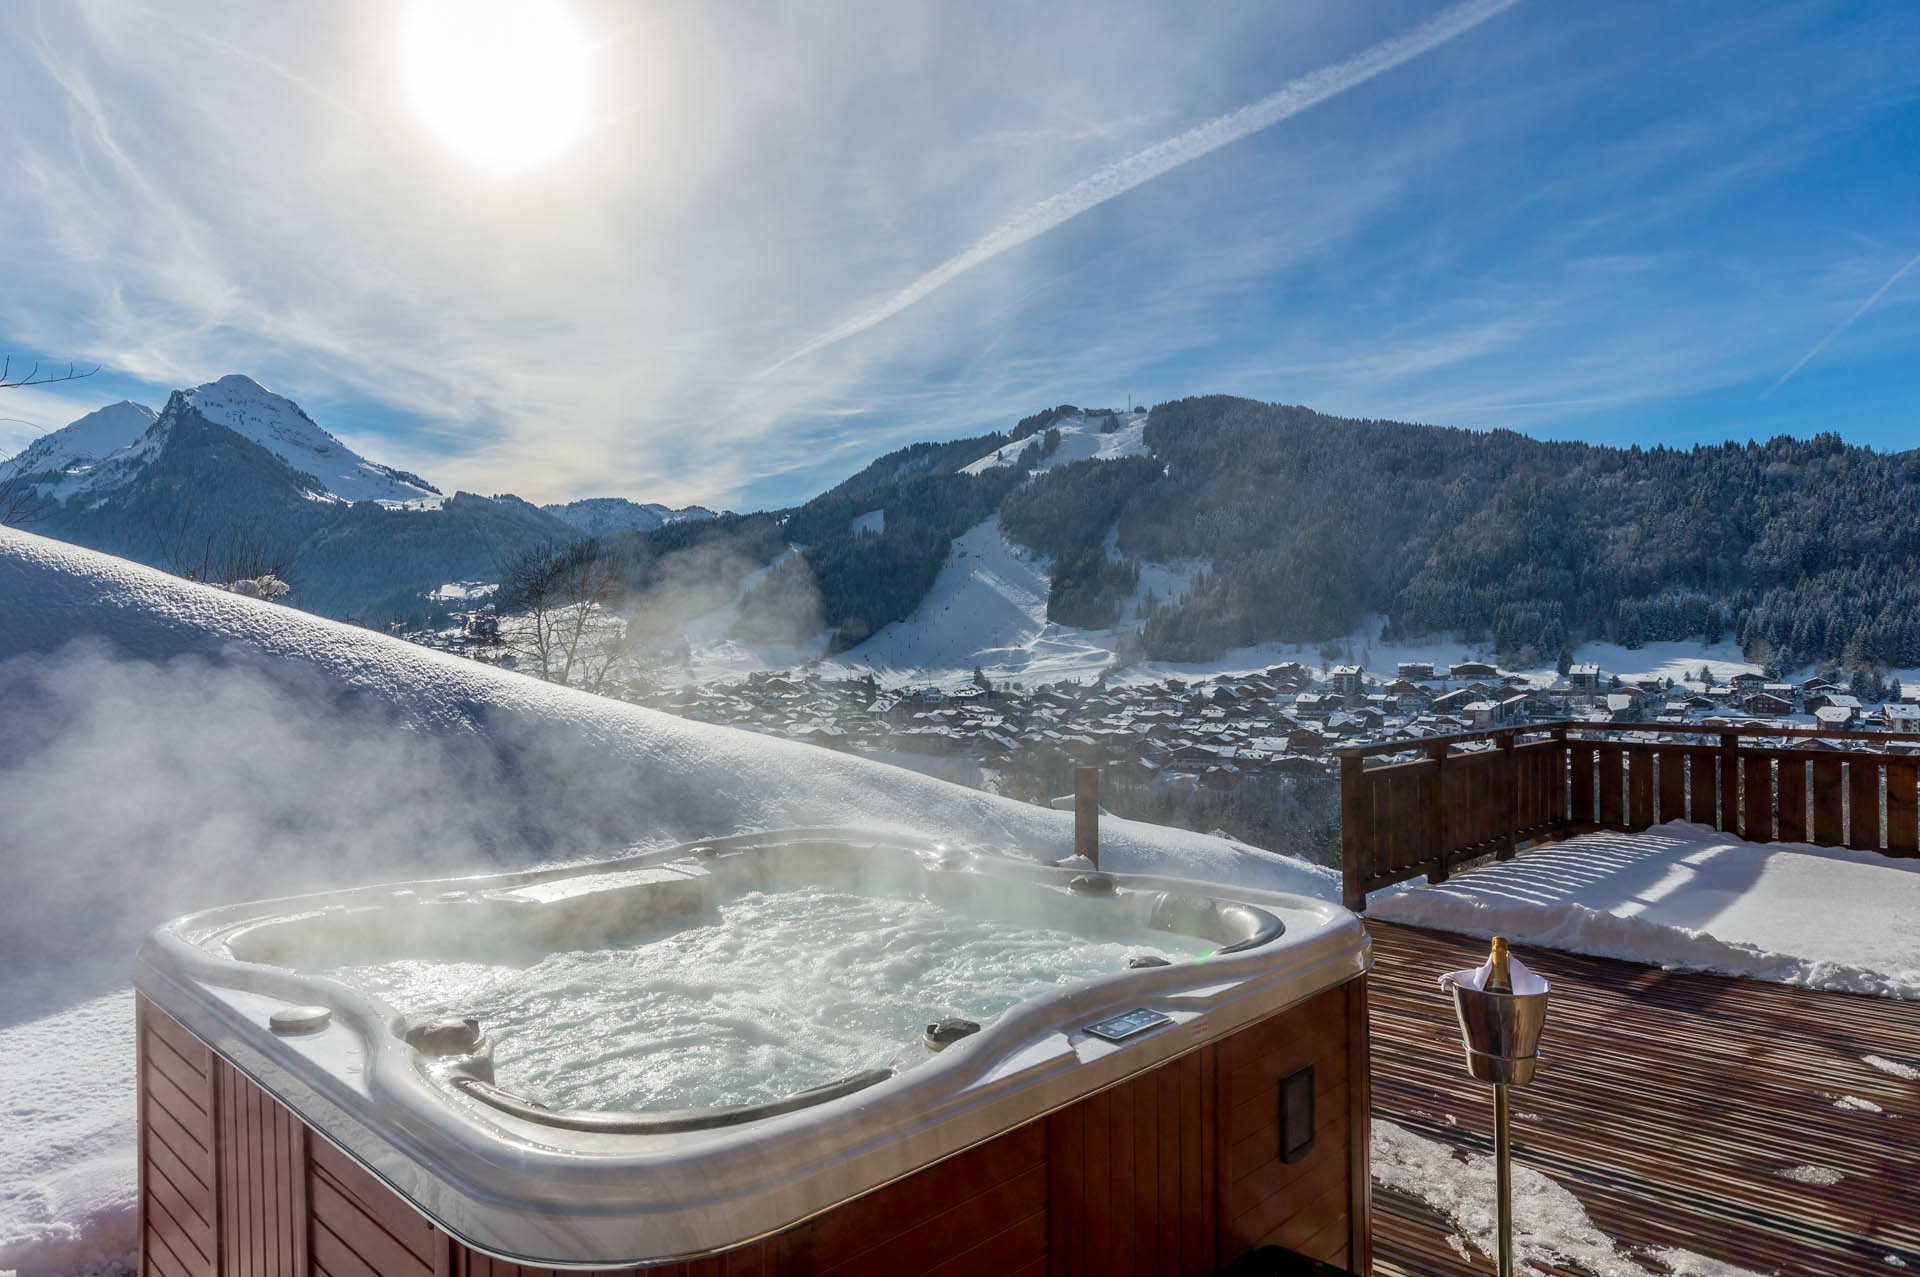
[{"x": 1276, "y": 523}]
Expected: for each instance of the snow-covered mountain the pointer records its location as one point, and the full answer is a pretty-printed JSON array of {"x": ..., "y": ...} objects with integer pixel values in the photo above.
[
  {"x": 277, "y": 424},
  {"x": 107, "y": 448},
  {"x": 233, "y": 461},
  {"x": 600, "y": 515},
  {"x": 75, "y": 448}
]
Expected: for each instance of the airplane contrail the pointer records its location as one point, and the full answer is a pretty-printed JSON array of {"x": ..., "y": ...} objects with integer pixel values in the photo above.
[
  {"x": 1845, "y": 324},
  {"x": 1144, "y": 165}
]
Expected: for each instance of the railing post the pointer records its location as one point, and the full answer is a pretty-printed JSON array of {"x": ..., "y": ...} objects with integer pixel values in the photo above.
[
  {"x": 1509, "y": 795},
  {"x": 1356, "y": 853},
  {"x": 1437, "y": 831},
  {"x": 1086, "y": 814},
  {"x": 1729, "y": 782},
  {"x": 1562, "y": 804}
]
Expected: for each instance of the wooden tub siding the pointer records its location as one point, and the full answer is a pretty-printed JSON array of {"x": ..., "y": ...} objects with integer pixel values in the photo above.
[{"x": 1175, "y": 1171}]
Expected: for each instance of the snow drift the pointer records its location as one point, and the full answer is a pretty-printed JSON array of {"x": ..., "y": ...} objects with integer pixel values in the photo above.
[{"x": 168, "y": 746}]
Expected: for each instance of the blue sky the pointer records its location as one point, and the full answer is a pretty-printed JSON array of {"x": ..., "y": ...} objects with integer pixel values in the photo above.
[{"x": 786, "y": 239}]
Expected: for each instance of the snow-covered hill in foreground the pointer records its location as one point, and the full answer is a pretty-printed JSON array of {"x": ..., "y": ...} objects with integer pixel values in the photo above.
[{"x": 168, "y": 746}]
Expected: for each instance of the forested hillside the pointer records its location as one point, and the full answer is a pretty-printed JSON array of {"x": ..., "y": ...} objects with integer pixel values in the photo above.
[
  {"x": 1802, "y": 549},
  {"x": 865, "y": 578}
]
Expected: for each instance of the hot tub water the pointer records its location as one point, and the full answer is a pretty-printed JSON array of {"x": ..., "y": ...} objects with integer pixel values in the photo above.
[{"x": 788, "y": 990}]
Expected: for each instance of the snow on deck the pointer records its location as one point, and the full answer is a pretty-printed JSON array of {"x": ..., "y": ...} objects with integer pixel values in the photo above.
[
  {"x": 169, "y": 747},
  {"x": 1688, "y": 897},
  {"x": 1680, "y": 1123}
]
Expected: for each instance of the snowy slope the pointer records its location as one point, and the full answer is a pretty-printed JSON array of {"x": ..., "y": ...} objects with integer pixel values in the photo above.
[
  {"x": 988, "y": 609},
  {"x": 1080, "y": 440},
  {"x": 96, "y": 435},
  {"x": 277, "y": 424},
  {"x": 1688, "y": 897},
  {"x": 171, "y": 746}
]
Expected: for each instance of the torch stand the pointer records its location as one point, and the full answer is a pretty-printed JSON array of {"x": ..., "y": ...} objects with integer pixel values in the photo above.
[{"x": 1500, "y": 1028}]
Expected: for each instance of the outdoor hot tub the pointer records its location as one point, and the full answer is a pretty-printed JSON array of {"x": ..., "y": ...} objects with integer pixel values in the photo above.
[{"x": 815, "y": 1051}]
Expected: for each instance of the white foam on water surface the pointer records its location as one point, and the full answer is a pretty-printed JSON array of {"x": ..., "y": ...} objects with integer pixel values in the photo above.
[{"x": 785, "y": 991}]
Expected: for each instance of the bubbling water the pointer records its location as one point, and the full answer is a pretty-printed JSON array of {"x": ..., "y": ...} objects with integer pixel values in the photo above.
[{"x": 788, "y": 990}]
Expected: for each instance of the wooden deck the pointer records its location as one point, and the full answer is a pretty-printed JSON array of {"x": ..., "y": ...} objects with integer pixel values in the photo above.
[{"x": 1670, "y": 1104}]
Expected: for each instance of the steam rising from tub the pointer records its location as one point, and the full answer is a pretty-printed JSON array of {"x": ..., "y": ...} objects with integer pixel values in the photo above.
[{"x": 135, "y": 790}]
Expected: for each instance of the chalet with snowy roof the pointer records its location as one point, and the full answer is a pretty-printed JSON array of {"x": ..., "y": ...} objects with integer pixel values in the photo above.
[
  {"x": 1542, "y": 703},
  {"x": 1900, "y": 717},
  {"x": 1481, "y": 713},
  {"x": 1346, "y": 680},
  {"x": 1765, "y": 704},
  {"x": 1473, "y": 669},
  {"x": 1586, "y": 678},
  {"x": 1626, "y": 706},
  {"x": 1415, "y": 671},
  {"x": 1313, "y": 704}
]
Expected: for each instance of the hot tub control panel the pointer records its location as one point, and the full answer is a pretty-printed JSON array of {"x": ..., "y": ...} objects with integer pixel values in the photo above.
[{"x": 1128, "y": 1024}]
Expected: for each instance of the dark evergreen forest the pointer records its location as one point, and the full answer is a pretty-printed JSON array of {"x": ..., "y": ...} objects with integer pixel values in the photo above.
[{"x": 1802, "y": 549}]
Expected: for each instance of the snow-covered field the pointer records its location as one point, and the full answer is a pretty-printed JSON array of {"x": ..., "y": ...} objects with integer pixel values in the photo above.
[
  {"x": 169, "y": 746},
  {"x": 1685, "y": 896}
]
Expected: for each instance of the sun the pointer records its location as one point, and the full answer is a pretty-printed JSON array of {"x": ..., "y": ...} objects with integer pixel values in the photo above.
[{"x": 501, "y": 83}]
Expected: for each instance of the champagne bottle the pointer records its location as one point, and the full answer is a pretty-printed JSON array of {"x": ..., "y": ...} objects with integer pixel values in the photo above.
[{"x": 1499, "y": 977}]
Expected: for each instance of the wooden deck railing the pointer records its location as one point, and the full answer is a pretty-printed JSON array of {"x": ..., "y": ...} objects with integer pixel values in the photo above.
[{"x": 1422, "y": 806}]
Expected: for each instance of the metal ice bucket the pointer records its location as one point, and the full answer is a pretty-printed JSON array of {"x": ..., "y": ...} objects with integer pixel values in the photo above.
[{"x": 1501, "y": 1032}]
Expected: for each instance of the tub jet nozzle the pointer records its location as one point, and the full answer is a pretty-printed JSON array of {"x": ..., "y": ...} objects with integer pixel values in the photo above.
[
  {"x": 1095, "y": 884},
  {"x": 451, "y": 1036},
  {"x": 944, "y": 1034}
]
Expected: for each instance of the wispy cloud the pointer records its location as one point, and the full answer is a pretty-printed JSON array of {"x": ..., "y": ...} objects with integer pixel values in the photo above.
[
  {"x": 1843, "y": 325},
  {"x": 1150, "y": 162},
  {"x": 1617, "y": 203}
]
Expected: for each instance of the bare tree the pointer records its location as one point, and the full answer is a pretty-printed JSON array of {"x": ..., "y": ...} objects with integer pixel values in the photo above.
[
  {"x": 34, "y": 377},
  {"x": 240, "y": 553},
  {"x": 565, "y": 629},
  {"x": 22, "y": 502}
]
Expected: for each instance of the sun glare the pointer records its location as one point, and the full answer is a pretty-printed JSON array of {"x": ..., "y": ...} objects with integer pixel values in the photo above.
[{"x": 502, "y": 83}]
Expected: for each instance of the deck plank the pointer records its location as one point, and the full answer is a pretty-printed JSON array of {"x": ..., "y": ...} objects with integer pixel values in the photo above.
[{"x": 1669, "y": 1103}]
